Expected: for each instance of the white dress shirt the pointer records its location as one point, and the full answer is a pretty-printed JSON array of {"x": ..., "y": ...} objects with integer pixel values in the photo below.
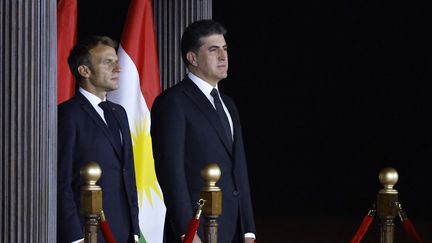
[{"x": 206, "y": 88}]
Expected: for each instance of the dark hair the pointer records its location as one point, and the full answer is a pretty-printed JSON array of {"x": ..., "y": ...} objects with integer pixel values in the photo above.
[
  {"x": 191, "y": 39},
  {"x": 80, "y": 53}
]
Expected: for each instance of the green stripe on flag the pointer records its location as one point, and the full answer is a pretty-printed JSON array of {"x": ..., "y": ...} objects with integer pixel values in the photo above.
[{"x": 141, "y": 238}]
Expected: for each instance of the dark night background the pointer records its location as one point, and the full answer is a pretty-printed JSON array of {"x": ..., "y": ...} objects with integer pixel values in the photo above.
[{"x": 330, "y": 92}]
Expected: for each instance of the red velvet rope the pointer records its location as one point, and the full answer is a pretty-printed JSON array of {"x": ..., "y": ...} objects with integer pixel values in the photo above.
[
  {"x": 106, "y": 231},
  {"x": 407, "y": 225},
  {"x": 411, "y": 231},
  {"x": 367, "y": 220},
  {"x": 192, "y": 229}
]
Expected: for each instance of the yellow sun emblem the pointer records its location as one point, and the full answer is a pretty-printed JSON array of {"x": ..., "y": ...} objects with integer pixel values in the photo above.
[{"x": 144, "y": 163}]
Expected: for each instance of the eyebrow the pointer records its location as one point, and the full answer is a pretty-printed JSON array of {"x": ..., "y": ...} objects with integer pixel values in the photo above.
[
  {"x": 216, "y": 46},
  {"x": 110, "y": 58}
]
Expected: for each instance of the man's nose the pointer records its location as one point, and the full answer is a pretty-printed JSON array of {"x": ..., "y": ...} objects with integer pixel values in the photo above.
[
  {"x": 116, "y": 68},
  {"x": 223, "y": 54}
]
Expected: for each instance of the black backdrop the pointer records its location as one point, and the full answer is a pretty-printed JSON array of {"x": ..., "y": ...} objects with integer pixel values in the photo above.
[{"x": 329, "y": 92}]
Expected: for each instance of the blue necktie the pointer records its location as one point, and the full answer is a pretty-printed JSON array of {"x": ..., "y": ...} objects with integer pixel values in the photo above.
[
  {"x": 111, "y": 122},
  {"x": 221, "y": 113}
]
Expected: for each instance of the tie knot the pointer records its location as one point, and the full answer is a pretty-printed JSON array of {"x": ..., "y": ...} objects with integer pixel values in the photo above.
[
  {"x": 215, "y": 93},
  {"x": 104, "y": 105}
]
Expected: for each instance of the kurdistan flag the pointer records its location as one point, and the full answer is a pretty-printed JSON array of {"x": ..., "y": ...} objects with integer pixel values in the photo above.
[{"x": 139, "y": 85}]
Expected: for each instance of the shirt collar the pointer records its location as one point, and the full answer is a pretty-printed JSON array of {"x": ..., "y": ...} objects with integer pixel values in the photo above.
[
  {"x": 205, "y": 87},
  {"x": 93, "y": 99}
]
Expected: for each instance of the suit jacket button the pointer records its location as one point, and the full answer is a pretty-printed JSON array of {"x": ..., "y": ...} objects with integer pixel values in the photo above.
[{"x": 235, "y": 193}]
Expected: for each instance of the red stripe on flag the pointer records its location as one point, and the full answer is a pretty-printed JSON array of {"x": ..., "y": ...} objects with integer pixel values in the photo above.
[
  {"x": 66, "y": 39},
  {"x": 139, "y": 42}
]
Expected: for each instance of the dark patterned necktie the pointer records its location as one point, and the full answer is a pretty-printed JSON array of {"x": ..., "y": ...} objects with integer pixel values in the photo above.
[
  {"x": 220, "y": 111},
  {"x": 111, "y": 121}
]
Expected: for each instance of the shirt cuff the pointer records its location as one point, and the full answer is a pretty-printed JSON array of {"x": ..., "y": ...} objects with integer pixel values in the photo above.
[
  {"x": 250, "y": 235},
  {"x": 136, "y": 238},
  {"x": 247, "y": 235}
]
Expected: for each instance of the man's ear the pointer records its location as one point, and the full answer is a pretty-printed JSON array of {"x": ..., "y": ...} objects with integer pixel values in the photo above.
[
  {"x": 84, "y": 71},
  {"x": 192, "y": 58}
]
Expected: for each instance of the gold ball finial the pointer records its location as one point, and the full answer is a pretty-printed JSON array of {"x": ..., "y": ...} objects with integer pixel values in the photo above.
[
  {"x": 388, "y": 177},
  {"x": 211, "y": 174},
  {"x": 91, "y": 172}
]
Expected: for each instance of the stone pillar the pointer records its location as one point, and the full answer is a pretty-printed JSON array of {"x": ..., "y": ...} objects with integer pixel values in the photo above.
[
  {"x": 28, "y": 112},
  {"x": 171, "y": 18}
]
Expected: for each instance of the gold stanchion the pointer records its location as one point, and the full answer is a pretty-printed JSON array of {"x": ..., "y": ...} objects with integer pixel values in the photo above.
[
  {"x": 387, "y": 201},
  {"x": 213, "y": 198},
  {"x": 91, "y": 200}
]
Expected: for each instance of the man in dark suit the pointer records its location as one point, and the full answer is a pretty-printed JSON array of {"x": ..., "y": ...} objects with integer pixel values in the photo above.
[
  {"x": 192, "y": 125},
  {"x": 90, "y": 128}
]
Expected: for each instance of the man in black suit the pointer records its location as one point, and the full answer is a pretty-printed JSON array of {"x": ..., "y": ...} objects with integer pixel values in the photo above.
[
  {"x": 192, "y": 125},
  {"x": 90, "y": 128}
]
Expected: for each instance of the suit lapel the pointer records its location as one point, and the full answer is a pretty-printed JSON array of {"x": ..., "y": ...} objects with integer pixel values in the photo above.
[
  {"x": 236, "y": 125},
  {"x": 208, "y": 110},
  {"x": 88, "y": 108}
]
